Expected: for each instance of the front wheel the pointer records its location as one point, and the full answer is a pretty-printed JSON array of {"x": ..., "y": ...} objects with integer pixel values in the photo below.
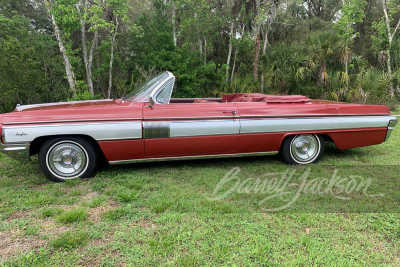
[
  {"x": 302, "y": 149},
  {"x": 67, "y": 158}
]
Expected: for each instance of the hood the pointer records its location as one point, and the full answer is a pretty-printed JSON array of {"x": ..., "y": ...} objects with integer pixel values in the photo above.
[{"x": 93, "y": 110}]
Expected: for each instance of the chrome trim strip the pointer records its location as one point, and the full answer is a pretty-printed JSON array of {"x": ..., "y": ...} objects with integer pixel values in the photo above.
[
  {"x": 23, "y": 107},
  {"x": 312, "y": 124},
  {"x": 196, "y": 118},
  {"x": 193, "y": 118},
  {"x": 156, "y": 129},
  {"x": 69, "y": 121},
  {"x": 391, "y": 126},
  {"x": 98, "y": 131},
  {"x": 16, "y": 151},
  {"x": 204, "y": 128},
  {"x": 195, "y": 157},
  {"x": 265, "y": 116}
]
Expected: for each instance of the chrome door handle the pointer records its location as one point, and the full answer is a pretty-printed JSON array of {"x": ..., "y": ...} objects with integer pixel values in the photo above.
[{"x": 234, "y": 112}]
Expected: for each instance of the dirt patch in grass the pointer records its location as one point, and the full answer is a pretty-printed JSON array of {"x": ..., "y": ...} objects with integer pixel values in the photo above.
[
  {"x": 11, "y": 244},
  {"x": 51, "y": 229},
  {"x": 90, "y": 195},
  {"x": 97, "y": 260},
  {"x": 95, "y": 214},
  {"x": 146, "y": 224},
  {"x": 20, "y": 215}
]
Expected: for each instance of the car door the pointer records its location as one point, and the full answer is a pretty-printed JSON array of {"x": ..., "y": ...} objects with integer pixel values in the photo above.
[{"x": 179, "y": 130}]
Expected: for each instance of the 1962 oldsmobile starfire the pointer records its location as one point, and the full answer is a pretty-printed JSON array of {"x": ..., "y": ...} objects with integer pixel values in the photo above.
[{"x": 147, "y": 125}]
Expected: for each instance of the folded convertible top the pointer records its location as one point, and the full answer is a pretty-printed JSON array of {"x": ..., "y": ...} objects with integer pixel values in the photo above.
[{"x": 256, "y": 97}]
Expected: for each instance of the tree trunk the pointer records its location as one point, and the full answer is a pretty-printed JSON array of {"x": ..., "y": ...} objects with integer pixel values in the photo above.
[
  {"x": 391, "y": 36},
  {"x": 201, "y": 47},
  {"x": 257, "y": 41},
  {"x": 85, "y": 52},
  {"x": 234, "y": 66},
  {"x": 257, "y": 53},
  {"x": 230, "y": 51},
  {"x": 205, "y": 50},
  {"x": 68, "y": 67},
  {"x": 236, "y": 53},
  {"x": 389, "y": 60},
  {"x": 263, "y": 53},
  {"x": 90, "y": 62},
  {"x": 174, "y": 24},
  {"x": 114, "y": 37}
]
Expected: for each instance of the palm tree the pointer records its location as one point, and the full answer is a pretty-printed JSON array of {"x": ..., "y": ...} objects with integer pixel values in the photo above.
[{"x": 323, "y": 50}]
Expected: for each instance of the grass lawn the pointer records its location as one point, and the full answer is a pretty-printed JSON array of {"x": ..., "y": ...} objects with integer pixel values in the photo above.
[{"x": 160, "y": 214}]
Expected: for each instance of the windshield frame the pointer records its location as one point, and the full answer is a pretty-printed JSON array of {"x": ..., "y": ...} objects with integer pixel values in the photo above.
[{"x": 143, "y": 94}]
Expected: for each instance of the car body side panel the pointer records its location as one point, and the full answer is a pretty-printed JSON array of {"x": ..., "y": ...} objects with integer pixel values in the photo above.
[
  {"x": 358, "y": 137},
  {"x": 186, "y": 146},
  {"x": 344, "y": 139},
  {"x": 260, "y": 142},
  {"x": 122, "y": 150},
  {"x": 264, "y": 127},
  {"x": 190, "y": 129}
]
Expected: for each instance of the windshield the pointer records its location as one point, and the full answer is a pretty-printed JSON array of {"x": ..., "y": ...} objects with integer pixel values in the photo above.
[{"x": 143, "y": 92}]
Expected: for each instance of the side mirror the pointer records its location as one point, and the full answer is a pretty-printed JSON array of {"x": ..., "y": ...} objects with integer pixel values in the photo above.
[{"x": 151, "y": 103}]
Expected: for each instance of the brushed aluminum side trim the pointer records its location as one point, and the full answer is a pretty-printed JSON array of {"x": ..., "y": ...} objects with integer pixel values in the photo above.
[
  {"x": 156, "y": 129},
  {"x": 312, "y": 124},
  {"x": 98, "y": 131},
  {"x": 204, "y": 128},
  {"x": 272, "y": 153}
]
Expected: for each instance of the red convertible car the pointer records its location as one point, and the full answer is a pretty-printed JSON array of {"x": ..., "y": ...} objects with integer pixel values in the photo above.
[{"x": 147, "y": 125}]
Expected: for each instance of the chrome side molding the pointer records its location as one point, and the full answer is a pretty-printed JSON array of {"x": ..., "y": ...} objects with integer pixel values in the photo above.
[
  {"x": 391, "y": 126},
  {"x": 272, "y": 153},
  {"x": 16, "y": 151}
]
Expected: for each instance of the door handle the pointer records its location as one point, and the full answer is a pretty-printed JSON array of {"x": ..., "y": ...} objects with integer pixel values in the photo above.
[{"x": 234, "y": 112}]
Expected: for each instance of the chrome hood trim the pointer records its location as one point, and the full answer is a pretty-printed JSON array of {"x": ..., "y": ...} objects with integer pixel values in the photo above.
[{"x": 20, "y": 108}]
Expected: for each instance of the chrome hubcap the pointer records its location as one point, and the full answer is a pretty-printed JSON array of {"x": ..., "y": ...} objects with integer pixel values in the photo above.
[
  {"x": 67, "y": 160},
  {"x": 305, "y": 148}
]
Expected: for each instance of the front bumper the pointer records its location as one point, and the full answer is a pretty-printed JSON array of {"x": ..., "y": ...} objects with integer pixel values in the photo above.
[
  {"x": 16, "y": 151},
  {"x": 391, "y": 126}
]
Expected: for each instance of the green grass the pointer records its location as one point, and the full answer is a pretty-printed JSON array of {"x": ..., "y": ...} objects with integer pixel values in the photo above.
[
  {"x": 71, "y": 216},
  {"x": 70, "y": 240},
  {"x": 158, "y": 214}
]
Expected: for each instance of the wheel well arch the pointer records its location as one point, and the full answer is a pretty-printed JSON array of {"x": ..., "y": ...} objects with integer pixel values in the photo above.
[
  {"x": 39, "y": 141},
  {"x": 326, "y": 137}
]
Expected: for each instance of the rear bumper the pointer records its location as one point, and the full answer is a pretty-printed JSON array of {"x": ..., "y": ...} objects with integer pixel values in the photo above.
[
  {"x": 391, "y": 126},
  {"x": 16, "y": 151}
]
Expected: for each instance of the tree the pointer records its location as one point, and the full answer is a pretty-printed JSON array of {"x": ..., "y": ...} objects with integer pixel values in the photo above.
[
  {"x": 322, "y": 47},
  {"x": 352, "y": 13},
  {"x": 30, "y": 67},
  {"x": 386, "y": 33},
  {"x": 52, "y": 11}
]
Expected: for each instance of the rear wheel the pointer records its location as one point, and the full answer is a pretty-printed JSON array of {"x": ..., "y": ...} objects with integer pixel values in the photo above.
[
  {"x": 67, "y": 158},
  {"x": 302, "y": 149}
]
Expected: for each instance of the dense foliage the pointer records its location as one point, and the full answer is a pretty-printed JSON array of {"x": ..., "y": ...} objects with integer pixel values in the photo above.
[{"x": 57, "y": 50}]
